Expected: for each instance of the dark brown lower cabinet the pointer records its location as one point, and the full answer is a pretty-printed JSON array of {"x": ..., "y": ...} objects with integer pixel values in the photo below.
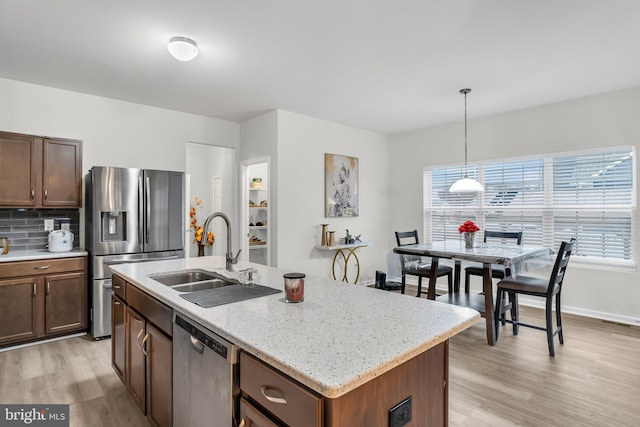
[
  {"x": 65, "y": 303},
  {"x": 159, "y": 352},
  {"x": 135, "y": 372},
  {"x": 423, "y": 378},
  {"x": 271, "y": 398},
  {"x": 41, "y": 299},
  {"x": 250, "y": 416},
  {"x": 19, "y": 310},
  {"x": 142, "y": 351},
  {"x": 118, "y": 348}
]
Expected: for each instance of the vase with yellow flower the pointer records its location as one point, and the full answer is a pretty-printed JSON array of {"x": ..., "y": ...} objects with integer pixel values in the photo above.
[{"x": 198, "y": 232}]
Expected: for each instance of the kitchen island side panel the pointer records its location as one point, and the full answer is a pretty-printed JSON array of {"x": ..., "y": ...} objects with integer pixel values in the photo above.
[{"x": 423, "y": 379}]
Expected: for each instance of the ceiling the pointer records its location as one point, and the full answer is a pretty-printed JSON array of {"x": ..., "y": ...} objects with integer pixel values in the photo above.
[{"x": 383, "y": 65}]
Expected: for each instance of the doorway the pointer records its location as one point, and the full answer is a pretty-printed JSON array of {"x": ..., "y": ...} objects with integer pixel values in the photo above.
[
  {"x": 256, "y": 211},
  {"x": 211, "y": 177}
]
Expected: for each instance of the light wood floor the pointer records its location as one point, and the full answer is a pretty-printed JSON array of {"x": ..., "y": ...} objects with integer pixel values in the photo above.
[
  {"x": 76, "y": 371},
  {"x": 594, "y": 380}
]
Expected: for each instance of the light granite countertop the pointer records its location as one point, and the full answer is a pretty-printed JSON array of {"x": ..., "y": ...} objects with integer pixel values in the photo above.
[
  {"x": 340, "y": 337},
  {"x": 40, "y": 254}
]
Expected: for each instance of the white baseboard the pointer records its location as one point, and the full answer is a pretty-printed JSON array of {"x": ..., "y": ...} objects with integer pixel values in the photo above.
[
  {"x": 29, "y": 344},
  {"x": 609, "y": 317},
  {"x": 538, "y": 303}
]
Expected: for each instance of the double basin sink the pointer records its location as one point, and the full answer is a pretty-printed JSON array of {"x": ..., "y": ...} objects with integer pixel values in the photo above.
[{"x": 193, "y": 280}]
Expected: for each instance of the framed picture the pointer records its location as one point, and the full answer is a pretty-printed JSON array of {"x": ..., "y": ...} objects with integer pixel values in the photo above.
[{"x": 340, "y": 186}]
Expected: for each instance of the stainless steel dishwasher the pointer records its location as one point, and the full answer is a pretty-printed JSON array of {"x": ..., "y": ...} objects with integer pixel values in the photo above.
[{"x": 204, "y": 376}]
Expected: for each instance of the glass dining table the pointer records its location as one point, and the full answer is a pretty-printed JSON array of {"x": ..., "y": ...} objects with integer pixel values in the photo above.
[{"x": 512, "y": 256}]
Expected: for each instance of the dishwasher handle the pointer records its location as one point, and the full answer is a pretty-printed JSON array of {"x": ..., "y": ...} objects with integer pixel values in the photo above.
[
  {"x": 196, "y": 344},
  {"x": 199, "y": 339}
]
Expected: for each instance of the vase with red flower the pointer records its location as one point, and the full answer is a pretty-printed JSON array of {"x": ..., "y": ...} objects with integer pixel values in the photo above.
[{"x": 468, "y": 229}]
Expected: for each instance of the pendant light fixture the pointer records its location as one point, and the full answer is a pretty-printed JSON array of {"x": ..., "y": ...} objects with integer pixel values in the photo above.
[
  {"x": 466, "y": 184},
  {"x": 183, "y": 48}
]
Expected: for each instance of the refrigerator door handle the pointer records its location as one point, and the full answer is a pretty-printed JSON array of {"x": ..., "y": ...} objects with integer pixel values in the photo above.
[
  {"x": 147, "y": 205},
  {"x": 140, "y": 211}
]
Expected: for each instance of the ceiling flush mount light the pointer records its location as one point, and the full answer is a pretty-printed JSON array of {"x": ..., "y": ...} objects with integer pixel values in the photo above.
[
  {"x": 466, "y": 184},
  {"x": 183, "y": 48}
]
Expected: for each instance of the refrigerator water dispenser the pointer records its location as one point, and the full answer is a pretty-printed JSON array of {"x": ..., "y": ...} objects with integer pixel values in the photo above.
[{"x": 113, "y": 226}]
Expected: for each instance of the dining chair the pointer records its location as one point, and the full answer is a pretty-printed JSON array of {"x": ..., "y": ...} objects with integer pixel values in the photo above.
[
  {"x": 537, "y": 287},
  {"x": 497, "y": 271},
  {"x": 414, "y": 266}
]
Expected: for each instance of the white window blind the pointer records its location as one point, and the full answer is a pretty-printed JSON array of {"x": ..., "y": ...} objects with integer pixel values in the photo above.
[{"x": 587, "y": 195}]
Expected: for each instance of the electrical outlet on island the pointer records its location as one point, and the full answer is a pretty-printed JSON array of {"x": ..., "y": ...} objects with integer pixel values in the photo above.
[{"x": 400, "y": 414}]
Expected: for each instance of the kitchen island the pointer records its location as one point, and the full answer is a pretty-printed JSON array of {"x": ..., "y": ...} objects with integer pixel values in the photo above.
[{"x": 362, "y": 350}]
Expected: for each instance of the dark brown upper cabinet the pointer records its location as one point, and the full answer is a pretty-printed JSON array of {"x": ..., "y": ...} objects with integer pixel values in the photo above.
[{"x": 38, "y": 172}]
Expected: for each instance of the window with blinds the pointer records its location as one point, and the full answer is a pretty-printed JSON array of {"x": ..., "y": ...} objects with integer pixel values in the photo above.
[{"x": 587, "y": 195}]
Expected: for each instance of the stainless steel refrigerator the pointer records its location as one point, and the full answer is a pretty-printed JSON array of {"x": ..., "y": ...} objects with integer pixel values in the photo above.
[{"x": 131, "y": 215}]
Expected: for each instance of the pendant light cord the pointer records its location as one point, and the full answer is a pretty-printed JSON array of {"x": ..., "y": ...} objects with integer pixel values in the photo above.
[{"x": 465, "y": 92}]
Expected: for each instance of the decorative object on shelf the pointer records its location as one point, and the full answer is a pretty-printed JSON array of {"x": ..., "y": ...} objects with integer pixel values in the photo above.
[
  {"x": 323, "y": 236},
  {"x": 466, "y": 184},
  {"x": 468, "y": 230},
  {"x": 197, "y": 229},
  {"x": 348, "y": 238},
  {"x": 256, "y": 183},
  {"x": 331, "y": 240},
  {"x": 253, "y": 241},
  {"x": 340, "y": 185}
]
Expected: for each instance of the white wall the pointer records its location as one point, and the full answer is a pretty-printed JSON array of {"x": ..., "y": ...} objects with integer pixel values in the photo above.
[
  {"x": 302, "y": 143},
  {"x": 204, "y": 163},
  {"x": 598, "y": 121},
  {"x": 259, "y": 140},
  {"x": 114, "y": 133}
]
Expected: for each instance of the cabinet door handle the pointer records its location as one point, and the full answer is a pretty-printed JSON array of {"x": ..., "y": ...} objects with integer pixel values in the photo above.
[
  {"x": 242, "y": 423},
  {"x": 34, "y": 289},
  {"x": 116, "y": 286},
  {"x": 45, "y": 194},
  {"x": 138, "y": 338},
  {"x": 268, "y": 394},
  {"x": 41, "y": 267},
  {"x": 116, "y": 302},
  {"x": 33, "y": 193},
  {"x": 145, "y": 340},
  {"x": 48, "y": 287}
]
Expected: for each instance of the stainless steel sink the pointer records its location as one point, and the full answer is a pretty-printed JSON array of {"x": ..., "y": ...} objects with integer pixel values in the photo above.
[
  {"x": 182, "y": 277},
  {"x": 193, "y": 280},
  {"x": 199, "y": 286}
]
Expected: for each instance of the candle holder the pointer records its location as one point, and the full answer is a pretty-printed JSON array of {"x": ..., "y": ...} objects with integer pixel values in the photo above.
[{"x": 324, "y": 234}]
